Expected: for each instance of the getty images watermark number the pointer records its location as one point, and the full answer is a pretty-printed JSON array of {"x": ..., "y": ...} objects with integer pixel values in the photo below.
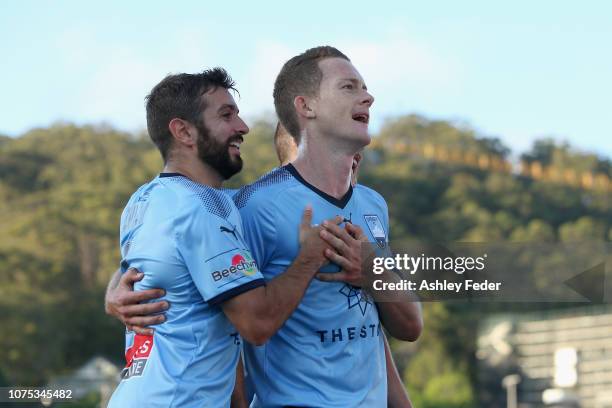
[{"x": 27, "y": 394}]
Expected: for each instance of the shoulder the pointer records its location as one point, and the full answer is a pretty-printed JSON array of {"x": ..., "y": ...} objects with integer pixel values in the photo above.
[
  {"x": 143, "y": 193},
  {"x": 153, "y": 196},
  {"x": 195, "y": 198},
  {"x": 265, "y": 189},
  {"x": 369, "y": 195}
]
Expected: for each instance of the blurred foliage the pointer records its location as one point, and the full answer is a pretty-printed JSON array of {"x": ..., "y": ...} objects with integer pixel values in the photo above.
[
  {"x": 63, "y": 188},
  {"x": 550, "y": 153}
]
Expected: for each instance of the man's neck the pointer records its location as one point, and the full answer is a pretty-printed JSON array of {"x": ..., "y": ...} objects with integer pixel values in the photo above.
[
  {"x": 326, "y": 168},
  {"x": 194, "y": 169}
]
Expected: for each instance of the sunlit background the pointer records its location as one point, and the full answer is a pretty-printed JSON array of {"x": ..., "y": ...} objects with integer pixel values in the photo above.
[
  {"x": 516, "y": 70},
  {"x": 491, "y": 124}
]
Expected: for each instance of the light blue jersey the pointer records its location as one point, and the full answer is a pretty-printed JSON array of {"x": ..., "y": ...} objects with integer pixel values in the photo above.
[
  {"x": 187, "y": 239},
  {"x": 330, "y": 353}
]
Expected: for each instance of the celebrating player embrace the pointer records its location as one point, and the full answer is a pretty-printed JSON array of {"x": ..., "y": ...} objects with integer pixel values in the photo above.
[
  {"x": 186, "y": 235},
  {"x": 315, "y": 343}
]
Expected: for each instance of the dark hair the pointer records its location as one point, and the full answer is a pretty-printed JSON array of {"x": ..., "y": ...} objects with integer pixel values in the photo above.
[
  {"x": 180, "y": 96},
  {"x": 300, "y": 75}
]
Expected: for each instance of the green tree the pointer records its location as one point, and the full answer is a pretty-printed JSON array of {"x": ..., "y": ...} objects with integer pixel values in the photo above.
[
  {"x": 535, "y": 231},
  {"x": 63, "y": 188},
  {"x": 584, "y": 228}
]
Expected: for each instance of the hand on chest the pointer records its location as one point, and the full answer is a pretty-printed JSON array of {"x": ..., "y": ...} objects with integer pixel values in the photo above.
[{"x": 287, "y": 235}]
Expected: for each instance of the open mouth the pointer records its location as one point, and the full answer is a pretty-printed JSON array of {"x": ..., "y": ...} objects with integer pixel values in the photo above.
[
  {"x": 236, "y": 143},
  {"x": 362, "y": 117}
]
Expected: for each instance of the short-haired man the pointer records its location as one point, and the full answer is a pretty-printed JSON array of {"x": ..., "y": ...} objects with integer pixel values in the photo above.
[
  {"x": 330, "y": 352},
  {"x": 187, "y": 238}
]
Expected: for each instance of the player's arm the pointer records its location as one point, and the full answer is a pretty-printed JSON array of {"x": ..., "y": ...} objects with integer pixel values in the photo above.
[
  {"x": 397, "y": 397},
  {"x": 122, "y": 302},
  {"x": 260, "y": 312},
  {"x": 238, "y": 394},
  {"x": 402, "y": 318}
]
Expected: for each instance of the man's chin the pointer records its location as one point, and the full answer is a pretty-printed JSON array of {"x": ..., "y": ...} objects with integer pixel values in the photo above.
[
  {"x": 367, "y": 139},
  {"x": 360, "y": 131},
  {"x": 232, "y": 169},
  {"x": 362, "y": 138},
  {"x": 236, "y": 163}
]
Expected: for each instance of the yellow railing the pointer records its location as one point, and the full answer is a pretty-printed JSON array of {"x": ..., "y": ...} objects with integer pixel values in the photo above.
[{"x": 490, "y": 162}]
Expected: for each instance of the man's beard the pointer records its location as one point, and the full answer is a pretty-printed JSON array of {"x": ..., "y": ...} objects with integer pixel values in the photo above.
[{"x": 216, "y": 154}]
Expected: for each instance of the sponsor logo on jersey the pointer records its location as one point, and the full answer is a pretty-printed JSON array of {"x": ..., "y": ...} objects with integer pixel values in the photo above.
[
  {"x": 250, "y": 266},
  {"x": 376, "y": 229},
  {"x": 356, "y": 298},
  {"x": 241, "y": 263},
  {"x": 350, "y": 333},
  {"x": 136, "y": 357}
]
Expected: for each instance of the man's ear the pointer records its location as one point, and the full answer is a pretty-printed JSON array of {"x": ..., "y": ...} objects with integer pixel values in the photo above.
[
  {"x": 305, "y": 107},
  {"x": 184, "y": 133}
]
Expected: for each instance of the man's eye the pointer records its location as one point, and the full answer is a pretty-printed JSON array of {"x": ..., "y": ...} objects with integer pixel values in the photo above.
[
  {"x": 348, "y": 86},
  {"x": 227, "y": 115}
]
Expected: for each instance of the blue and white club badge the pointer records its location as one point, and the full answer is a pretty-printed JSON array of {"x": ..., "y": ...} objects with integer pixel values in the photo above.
[{"x": 376, "y": 229}]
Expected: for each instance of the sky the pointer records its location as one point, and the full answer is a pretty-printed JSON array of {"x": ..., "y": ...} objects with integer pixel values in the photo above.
[{"x": 519, "y": 70}]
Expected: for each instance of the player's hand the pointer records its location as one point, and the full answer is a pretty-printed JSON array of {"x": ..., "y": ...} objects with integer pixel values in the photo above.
[
  {"x": 124, "y": 303},
  {"x": 312, "y": 246},
  {"x": 346, "y": 243}
]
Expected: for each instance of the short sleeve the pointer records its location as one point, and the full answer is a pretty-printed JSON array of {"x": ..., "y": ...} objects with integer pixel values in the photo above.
[{"x": 216, "y": 256}]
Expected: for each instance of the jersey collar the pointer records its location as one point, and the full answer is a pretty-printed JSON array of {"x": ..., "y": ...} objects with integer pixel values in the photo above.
[
  {"x": 161, "y": 175},
  {"x": 340, "y": 203}
]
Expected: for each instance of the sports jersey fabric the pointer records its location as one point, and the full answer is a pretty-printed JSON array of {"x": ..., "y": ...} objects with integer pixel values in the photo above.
[
  {"x": 330, "y": 352},
  {"x": 187, "y": 239}
]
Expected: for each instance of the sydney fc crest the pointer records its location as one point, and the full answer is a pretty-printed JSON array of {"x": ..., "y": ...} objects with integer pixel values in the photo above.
[{"x": 376, "y": 229}]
